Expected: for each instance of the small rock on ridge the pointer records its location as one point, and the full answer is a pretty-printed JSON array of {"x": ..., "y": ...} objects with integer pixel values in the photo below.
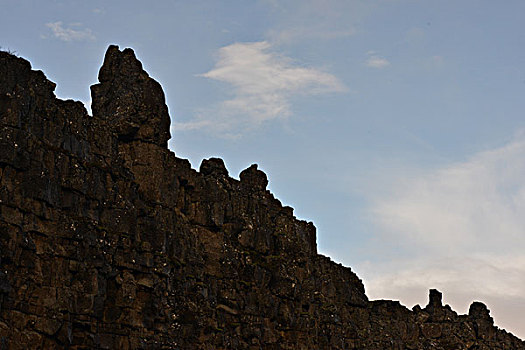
[{"x": 254, "y": 178}]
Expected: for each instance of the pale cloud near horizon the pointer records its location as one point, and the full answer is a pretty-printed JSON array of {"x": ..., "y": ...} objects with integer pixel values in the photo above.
[
  {"x": 459, "y": 228},
  {"x": 263, "y": 81},
  {"x": 494, "y": 279},
  {"x": 73, "y": 32}
]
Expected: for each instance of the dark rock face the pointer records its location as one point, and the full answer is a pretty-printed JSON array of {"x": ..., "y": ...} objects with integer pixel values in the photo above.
[
  {"x": 129, "y": 101},
  {"x": 107, "y": 240}
]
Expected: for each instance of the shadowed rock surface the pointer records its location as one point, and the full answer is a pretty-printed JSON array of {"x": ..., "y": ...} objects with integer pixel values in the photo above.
[{"x": 108, "y": 240}]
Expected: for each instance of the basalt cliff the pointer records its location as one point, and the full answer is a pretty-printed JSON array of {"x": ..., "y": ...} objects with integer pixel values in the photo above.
[{"x": 109, "y": 241}]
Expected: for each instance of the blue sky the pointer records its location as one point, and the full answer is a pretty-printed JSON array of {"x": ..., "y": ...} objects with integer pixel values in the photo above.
[{"x": 395, "y": 126}]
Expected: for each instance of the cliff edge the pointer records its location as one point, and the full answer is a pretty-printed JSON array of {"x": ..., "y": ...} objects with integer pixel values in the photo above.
[{"x": 108, "y": 240}]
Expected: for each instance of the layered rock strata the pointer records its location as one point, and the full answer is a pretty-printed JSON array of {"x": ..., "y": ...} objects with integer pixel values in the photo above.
[{"x": 108, "y": 240}]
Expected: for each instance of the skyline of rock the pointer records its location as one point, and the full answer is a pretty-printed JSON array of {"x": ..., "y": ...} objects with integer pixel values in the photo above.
[{"x": 108, "y": 240}]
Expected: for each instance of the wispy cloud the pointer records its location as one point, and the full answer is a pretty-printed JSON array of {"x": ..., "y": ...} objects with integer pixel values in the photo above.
[
  {"x": 476, "y": 204},
  {"x": 73, "y": 32},
  {"x": 378, "y": 62},
  {"x": 460, "y": 228},
  {"x": 262, "y": 81}
]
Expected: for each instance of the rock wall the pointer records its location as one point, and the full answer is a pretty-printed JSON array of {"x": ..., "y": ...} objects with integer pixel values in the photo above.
[{"x": 108, "y": 240}]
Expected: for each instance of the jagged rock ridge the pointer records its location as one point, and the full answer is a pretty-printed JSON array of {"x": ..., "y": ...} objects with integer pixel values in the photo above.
[{"x": 108, "y": 240}]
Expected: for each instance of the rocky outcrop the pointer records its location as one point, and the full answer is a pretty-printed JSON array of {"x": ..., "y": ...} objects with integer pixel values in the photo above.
[{"x": 108, "y": 240}]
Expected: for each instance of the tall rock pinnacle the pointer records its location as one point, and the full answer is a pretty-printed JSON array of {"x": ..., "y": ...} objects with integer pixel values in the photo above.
[{"x": 129, "y": 100}]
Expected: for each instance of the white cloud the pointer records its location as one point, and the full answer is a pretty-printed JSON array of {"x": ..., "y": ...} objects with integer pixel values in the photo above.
[
  {"x": 68, "y": 33},
  {"x": 263, "y": 82},
  {"x": 377, "y": 62},
  {"x": 460, "y": 228}
]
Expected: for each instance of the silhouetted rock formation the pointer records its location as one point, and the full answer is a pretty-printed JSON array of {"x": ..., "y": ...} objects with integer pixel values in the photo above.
[{"x": 110, "y": 241}]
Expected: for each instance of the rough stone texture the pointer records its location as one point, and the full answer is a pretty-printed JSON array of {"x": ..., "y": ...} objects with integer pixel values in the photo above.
[{"x": 107, "y": 240}]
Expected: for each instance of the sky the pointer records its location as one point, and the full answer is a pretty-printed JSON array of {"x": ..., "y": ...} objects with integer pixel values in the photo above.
[{"x": 395, "y": 126}]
